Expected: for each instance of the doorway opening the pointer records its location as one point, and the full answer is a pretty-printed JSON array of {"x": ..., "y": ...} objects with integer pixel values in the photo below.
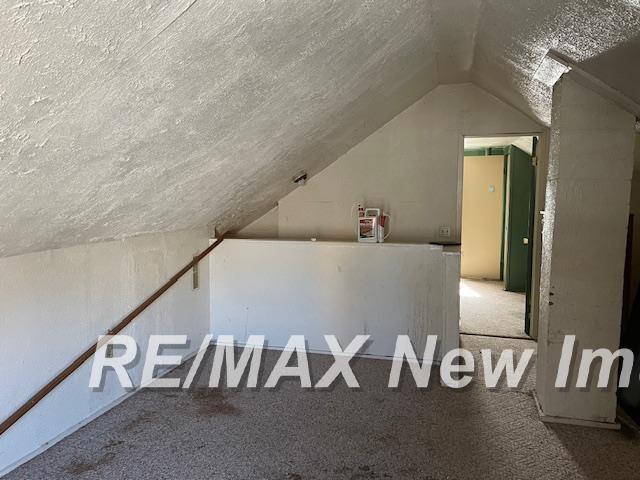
[{"x": 497, "y": 228}]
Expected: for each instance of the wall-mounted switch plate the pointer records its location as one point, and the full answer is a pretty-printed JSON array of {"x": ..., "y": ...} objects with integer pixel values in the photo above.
[{"x": 445, "y": 231}]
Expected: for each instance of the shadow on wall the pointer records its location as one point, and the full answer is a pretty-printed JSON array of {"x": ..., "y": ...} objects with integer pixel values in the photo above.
[
  {"x": 606, "y": 67},
  {"x": 635, "y": 211}
]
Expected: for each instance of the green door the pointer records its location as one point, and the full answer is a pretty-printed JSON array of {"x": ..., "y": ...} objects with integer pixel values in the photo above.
[{"x": 519, "y": 225}]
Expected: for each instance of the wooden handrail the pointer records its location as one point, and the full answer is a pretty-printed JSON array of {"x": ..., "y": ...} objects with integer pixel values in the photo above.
[{"x": 84, "y": 356}]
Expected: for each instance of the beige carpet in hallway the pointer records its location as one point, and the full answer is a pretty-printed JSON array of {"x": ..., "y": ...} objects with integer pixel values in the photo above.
[{"x": 486, "y": 309}]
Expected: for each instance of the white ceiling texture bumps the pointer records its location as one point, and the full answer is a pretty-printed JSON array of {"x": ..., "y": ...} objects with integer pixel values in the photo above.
[
  {"x": 128, "y": 117},
  {"x": 513, "y": 36}
]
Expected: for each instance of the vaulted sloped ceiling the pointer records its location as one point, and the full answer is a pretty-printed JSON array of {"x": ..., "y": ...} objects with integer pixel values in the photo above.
[
  {"x": 600, "y": 37},
  {"x": 120, "y": 118}
]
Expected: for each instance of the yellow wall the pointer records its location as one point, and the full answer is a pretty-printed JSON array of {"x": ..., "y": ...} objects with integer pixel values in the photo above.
[{"x": 482, "y": 216}]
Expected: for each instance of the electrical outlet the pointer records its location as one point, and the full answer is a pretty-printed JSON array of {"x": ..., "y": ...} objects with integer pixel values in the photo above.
[{"x": 445, "y": 231}]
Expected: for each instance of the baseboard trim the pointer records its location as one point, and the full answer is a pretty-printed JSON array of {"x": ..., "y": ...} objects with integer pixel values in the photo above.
[
  {"x": 572, "y": 421},
  {"x": 370, "y": 356}
]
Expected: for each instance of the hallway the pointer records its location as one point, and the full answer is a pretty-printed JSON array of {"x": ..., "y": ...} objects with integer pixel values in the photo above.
[{"x": 487, "y": 309}]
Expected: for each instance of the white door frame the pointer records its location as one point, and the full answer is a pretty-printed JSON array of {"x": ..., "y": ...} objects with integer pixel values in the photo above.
[{"x": 542, "y": 155}]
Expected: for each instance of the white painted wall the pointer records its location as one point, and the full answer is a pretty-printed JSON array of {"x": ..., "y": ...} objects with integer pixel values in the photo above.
[
  {"x": 264, "y": 227},
  {"x": 54, "y": 304},
  {"x": 411, "y": 167},
  {"x": 281, "y": 288},
  {"x": 584, "y": 240}
]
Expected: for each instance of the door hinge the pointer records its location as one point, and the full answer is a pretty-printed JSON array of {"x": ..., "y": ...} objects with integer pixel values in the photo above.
[{"x": 534, "y": 161}]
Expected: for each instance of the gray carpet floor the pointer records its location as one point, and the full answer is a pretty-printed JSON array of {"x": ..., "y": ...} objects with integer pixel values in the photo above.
[
  {"x": 370, "y": 433},
  {"x": 487, "y": 309}
]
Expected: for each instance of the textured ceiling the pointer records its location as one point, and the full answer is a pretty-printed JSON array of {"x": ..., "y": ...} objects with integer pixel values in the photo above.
[
  {"x": 513, "y": 36},
  {"x": 120, "y": 118}
]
